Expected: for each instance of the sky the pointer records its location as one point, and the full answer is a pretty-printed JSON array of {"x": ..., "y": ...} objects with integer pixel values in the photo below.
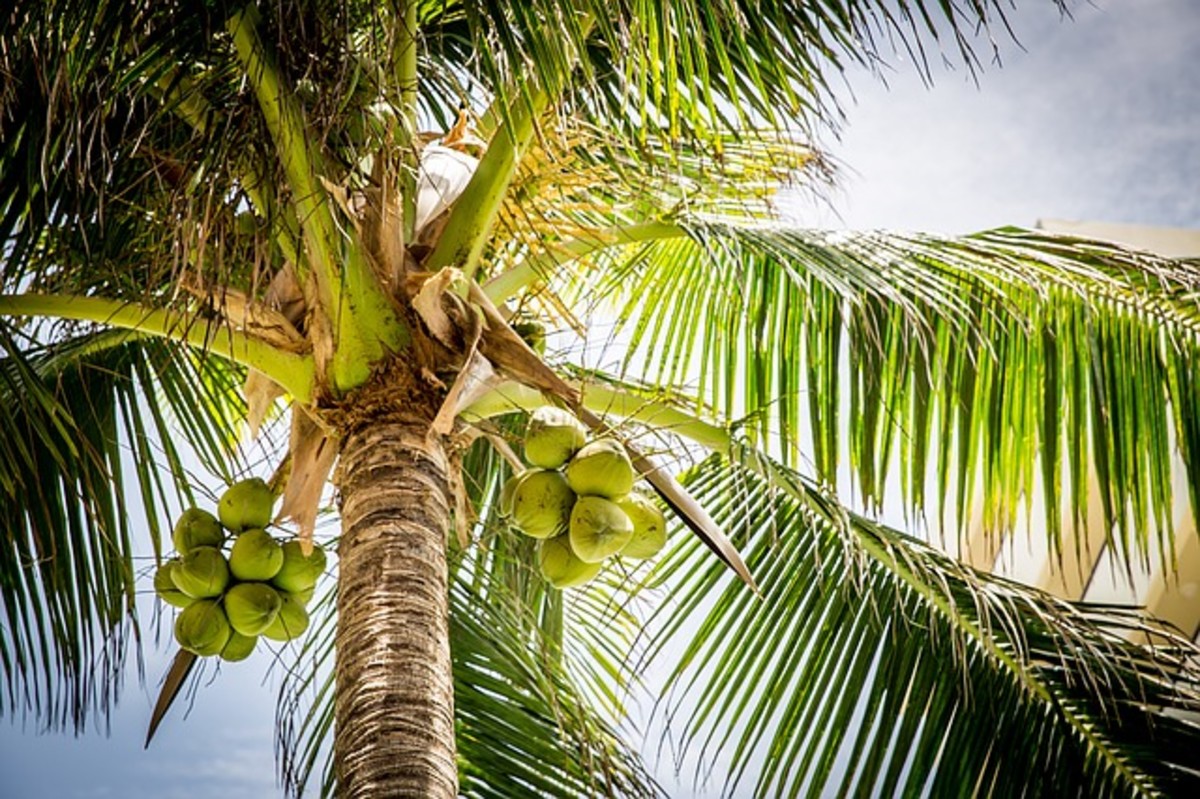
[{"x": 1098, "y": 118}]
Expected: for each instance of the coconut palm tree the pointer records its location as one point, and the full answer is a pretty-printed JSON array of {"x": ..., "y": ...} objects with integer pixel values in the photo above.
[{"x": 218, "y": 213}]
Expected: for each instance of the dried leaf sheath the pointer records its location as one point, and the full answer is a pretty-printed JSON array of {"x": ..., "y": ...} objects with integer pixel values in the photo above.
[{"x": 312, "y": 451}]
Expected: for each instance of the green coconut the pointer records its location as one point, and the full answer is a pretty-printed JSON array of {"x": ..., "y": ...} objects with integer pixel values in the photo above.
[
  {"x": 251, "y": 607},
  {"x": 561, "y": 566},
  {"x": 601, "y": 469},
  {"x": 239, "y": 647},
  {"x": 202, "y": 573},
  {"x": 542, "y": 503},
  {"x": 599, "y": 528},
  {"x": 164, "y": 585},
  {"x": 649, "y": 527},
  {"x": 552, "y": 437},
  {"x": 508, "y": 489},
  {"x": 246, "y": 505},
  {"x": 196, "y": 528},
  {"x": 255, "y": 555},
  {"x": 291, "y": 622},
  {"x": 202, "y": 628},
  {"x": 299, "y": 573},
  {"x": 303, "y": 597}
]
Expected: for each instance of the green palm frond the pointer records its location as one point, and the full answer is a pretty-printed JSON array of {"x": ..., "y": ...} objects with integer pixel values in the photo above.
[
  {"x": 957, "y": 358},
  {"x": 92, "y": 154},
  {"x": 574, "y": 189},
  {"x": 154, "y": 122},
  {"x": 874, "y": 664},
  {"x": 631, "y": 73},
  {"x": 686, "y": 69},
  {"x": 92, "y": 434},
  {"x": 528, "y": 725}
]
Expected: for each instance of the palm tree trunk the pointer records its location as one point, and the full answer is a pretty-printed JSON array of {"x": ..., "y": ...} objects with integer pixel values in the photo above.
[{"x": 394, "y": 708}]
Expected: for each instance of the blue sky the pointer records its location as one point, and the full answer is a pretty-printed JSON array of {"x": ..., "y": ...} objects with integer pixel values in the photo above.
[{"x": 1099, "y": 119}]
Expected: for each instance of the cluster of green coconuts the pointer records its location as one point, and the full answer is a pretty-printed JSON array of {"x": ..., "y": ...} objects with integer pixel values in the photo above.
[
  {"x": 578, "y": 497},
  {"x": 260, "y": 588}
]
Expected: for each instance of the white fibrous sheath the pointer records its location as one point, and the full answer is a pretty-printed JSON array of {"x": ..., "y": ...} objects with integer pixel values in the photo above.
[{"x": 444, "y": 175}]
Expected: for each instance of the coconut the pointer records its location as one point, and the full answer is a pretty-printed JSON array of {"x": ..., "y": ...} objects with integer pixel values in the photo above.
[
  {"x": 303, "y": 597},
  {"x": 291, "y": 622},
  {"x": 239, "y": 647},
  {"x": 202, "y": 628},
  {"x": 299, "y": 573},
  {"x": 251, "y": 607},
  {"x": 649, "y": 527},
  {"x": 542, "y": 503},
  {"x": 196, "y": 528},
  {"x": 552, "y": 437},
  {"x": 246, "y": 505},
  {"x": 202, "y": 573},
  {"x": 599, "y": 528},
  {"x": 164, "y": 585},
  {"x": 561, "y": 566},
  {"x": 508, "y": 489},
  {"x": 601, "y": 469},
  {"x": 255, "y": 555}
]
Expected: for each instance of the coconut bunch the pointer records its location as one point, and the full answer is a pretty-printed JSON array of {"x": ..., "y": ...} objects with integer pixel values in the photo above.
[
  {"x": 232, "y": 580},
  {"x": 578, "y": 498}
]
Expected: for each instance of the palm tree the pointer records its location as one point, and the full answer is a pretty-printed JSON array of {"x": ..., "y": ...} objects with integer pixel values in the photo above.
[{"x": 207, "y": 208}]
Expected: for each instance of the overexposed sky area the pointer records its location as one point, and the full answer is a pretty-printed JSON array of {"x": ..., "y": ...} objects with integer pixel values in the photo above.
[{"x": 1099, "y": 118}]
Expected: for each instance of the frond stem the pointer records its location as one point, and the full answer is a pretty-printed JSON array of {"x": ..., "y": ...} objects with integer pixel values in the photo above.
[
  {"x": 513, "y": 396},
  {"x": 365, "y": 325},
  {"x": 474, "y": 213},
  {"x": 293, "y": 371},
  {"x": 541, "y": 266},
  {"x": 404, "y": 56}
]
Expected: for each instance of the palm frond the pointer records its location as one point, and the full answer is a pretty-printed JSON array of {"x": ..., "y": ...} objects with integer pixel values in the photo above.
[
  {"x": 532, "y": 727},
  {"x": 877, "y": 665},
  {"x": 684, "y": 70},
  {"x": 958, "y": 358},
  {"x": 92, "y": 435},
  {"x": 574, "y": 189},
  {"x": 154, "y": 122},
  {"x": 92, "y": 156}
]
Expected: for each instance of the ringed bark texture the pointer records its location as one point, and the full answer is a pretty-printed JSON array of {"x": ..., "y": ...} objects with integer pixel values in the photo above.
[{"x": 394, "y": 708}]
